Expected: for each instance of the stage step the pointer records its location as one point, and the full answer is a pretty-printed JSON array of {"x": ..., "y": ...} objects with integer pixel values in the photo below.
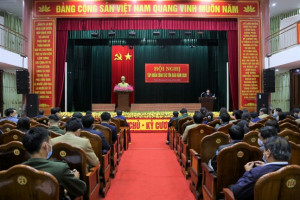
[
  {"x": 191, "y": 107},
  {"x": 103, "y": 107}
]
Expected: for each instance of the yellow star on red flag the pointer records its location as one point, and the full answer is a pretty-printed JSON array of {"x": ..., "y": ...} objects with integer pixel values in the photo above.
[{"x": 128, "y": 56}]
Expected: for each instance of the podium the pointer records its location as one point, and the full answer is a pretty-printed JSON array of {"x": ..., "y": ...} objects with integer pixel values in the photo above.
[
  {"x": 123, "y": 101},
  {"x": 207, "y": 102}
]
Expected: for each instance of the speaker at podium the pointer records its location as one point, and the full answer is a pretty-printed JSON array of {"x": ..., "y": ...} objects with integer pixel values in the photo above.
[{"x": 206, "y": 100}]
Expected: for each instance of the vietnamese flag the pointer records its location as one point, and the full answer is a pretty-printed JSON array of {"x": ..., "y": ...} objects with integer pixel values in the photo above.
[{"x": 122, "y": 64}]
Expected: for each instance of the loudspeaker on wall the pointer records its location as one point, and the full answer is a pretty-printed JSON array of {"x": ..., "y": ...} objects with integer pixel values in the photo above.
[
  {"x": 22, "y": 77},
  {"x": 32, "y": 105}
]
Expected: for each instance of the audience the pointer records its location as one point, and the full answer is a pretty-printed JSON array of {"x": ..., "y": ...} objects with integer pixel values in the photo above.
[
  {"x": 225, "y": 117},
  {"x": 77, "y": 115},
  {"x": 56, "y": 111},
  {"x": 198, "y": 119},
  {"x": 209, "y": 117},
  {"x": 105, "y": 119},
  {"x": 53, "y": 124},
  {"x": 184, "y": 114},
  {"x": 276, "y": 111},
  {"x": 36, "y": 142},
  {"x": 263, "y": 113},
  {"x": 296, "y": 112},
  {"x": 73, "y": 127},
  {"x": 23, "y": 124},
  {"x": 175, "y": 115},
  {"x": 203, "y": 111},
  {"x": 11, "y": 115},
  {"x": 87, "y": 122},
  {"x": 277, "y": 153},
  {"x": 237, "y": 115},
  {"x": 265, "y": 133},
  {"x": 120, "y": 116},
  {"x": 40, "y": 114},
  {"x": 254, "y": 117},
  {"x": 88, "y": 113},
  {"x": 281, "y": 116}
]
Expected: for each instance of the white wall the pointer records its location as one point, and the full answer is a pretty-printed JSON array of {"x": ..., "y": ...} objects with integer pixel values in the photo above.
[{"x": 13, "y": 59}]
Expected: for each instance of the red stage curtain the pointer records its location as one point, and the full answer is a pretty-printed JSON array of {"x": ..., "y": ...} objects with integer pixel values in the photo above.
[
  {"x": 122, "y": 64},
  {"x": 233, "y": 66}
]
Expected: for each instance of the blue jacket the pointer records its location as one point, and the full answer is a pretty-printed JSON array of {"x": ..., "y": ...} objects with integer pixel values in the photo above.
[
  {"x": 171, "y": 120},
  {"x": 12, "y": 119},
  {"x": 105, "y": 145},
  {"x": 113, "y": 130},
  {"x": 121, "y": 117}
]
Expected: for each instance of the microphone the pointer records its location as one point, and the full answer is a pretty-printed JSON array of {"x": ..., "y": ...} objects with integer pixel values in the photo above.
[{"x": 202, "y": 94}]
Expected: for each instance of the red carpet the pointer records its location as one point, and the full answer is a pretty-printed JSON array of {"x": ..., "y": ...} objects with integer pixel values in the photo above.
[{"x": 149, "y": 171}]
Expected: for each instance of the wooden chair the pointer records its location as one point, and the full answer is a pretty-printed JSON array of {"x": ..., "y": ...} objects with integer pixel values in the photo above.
[
  {"x": 290, "y": 135},
  {"x": 237, "y": 121},
  {"x": 281, "y": 184},
  {"x": 185, "y": 124},
  {"x": 113, "y": 147},
  {"x": 214, "y": 123},
  {"x": 11, "y": 154},
  {"x": 230, "y": 167},
  {"x": 13, "y": 135},
  {"x": 255, "y": 127},
  {"x": 104, "y": 159},
  {"x": 43, "y": 120},
  {"x": 54, "y": 134},
  {"x": 291, "y": 121},
  {"x": 225, "y": 129},
  {"x": 7, "y": 127},
  {"x": 179, "y": 141},
  {"x": 33, "y": 123},
  {"x": 42, "y": 126},
  {"x": 65, "y": 119},
  {"x": 76, "y": 159},
  {"x": 195, "y": 135},
  {"x": 290, "y": 126},
  {"x": 177, "y": 136},
  {"x": 295, "y": 155},
  {"x": 7, "y": 122},
  {"x": 263, "y": 121},
  {"x": 251, "y": 138},
  {"x": 208, "y": 147},
  {"x": 24, "y": 182},
  {"x": 172, "y": 132},
  {"x": 125, "y": 129},
  {"x": 120, "y": 137}
]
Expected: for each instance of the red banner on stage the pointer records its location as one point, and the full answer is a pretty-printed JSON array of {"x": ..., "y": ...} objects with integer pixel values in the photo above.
[
  {"x": 250, "y": 73},
  {"x": 129, "y": 8},
  {"x": 298, "y": 32},
  {"x": 43, "y": 62},
  {"x": 167, "y": 73}
]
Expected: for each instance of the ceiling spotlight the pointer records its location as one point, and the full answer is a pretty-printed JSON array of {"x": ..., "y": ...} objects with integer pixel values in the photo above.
[
  {"x": 94, "y": 34},
  {"x": 172, "y": 32},
  {"x": 132, "y": 33},
  {"x": 297, "y": 70},
  {"x": 277, "y": 70},
  {"x": 111, "y": 33},
  {"x": 187, "y": 33},
  {"x": 156, "y": 33}
]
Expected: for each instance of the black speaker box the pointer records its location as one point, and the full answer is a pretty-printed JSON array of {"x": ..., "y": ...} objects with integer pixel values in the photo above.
[
  {"x": 22, "y": 77},
  {"x": 262, "y": 101},
  {"x": 269, "y": 80},
  {"x": 32, "y": 105}
]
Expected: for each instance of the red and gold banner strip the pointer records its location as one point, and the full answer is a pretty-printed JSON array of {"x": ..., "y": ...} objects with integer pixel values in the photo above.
[
  {"x": 166, "y": 73},
  {"x": 148, "y": 125},
  {"x": 43, "y": 69},
  {"x": 250, "y": 63},
  {"x": 129, "y": 8},
  {"x": 298, "y": 32}
]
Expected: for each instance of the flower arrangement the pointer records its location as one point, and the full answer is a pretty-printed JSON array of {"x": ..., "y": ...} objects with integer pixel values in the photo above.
[{"x": 129, "y": 88}]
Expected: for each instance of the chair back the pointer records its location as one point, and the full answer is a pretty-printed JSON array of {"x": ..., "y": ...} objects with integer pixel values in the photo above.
[
  {"x": 122, "y": 122},
  {"x": 295, "y": 154},
  {"x": 231, "y": 161},
  {"x": 195, "y": 135},
  {"x": 289, "y": 120},
  {"x": 65, "y": 119},
  {"x": 26, "y": 183},
  {"x": 251, "y": 138},
  {"x": 95, "y": 141},
  {"x": 263, "y": 121},
  {"x": 290, "y": 135},
  {"x": 237, "y": 121},
  {"x": 7, "y": 127},
  {"x": 290, "y": 117},
  {"x": 173, "y": 123},
  {"x": 11, "y": 154},
  {"x": 225, "y": 129},
  {"x": 54, "y": 134},
  {"x": 210, "y": 144},
  {"x": 255, "y": 127},
  {"x": 43, "y": 120},
  {"x": 106, "y": 132},
  {"x": 13, "y": 135},
  {"x": 33, "y": 123},
  {"x": 116, "y": 124},
  {"x": 281, "y": 184},
  {"x": 214, "y": 123},
  {"x": 7, "y": 122},
  {"x": 180, "y": 122},
  {"x": 185, "y": 124},
  {"x": 288, "y": 125},
  {"x": 75, "y": 157},
  {"x": 42, "y": 126}
]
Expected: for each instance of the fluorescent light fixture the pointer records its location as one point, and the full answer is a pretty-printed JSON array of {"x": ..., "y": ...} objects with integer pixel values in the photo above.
[
  {"x": 111, "y": 33},
  {"x": 156, "y": 33},
  {"x": 172, "y": 32},
  {"x": 132, "y": 33},
  {"x": 187, "y": 33},
  {"x": 94, "y": 34}
]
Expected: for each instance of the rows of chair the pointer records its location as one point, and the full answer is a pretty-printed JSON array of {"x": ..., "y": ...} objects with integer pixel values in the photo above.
[
  {"x": 98, "y": 178},
  {"x": 201, "y": 146}
]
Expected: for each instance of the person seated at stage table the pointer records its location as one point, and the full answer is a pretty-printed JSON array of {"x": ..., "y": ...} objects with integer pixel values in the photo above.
[
  {"x": 265, "y": 133},
  {"x": 105, "y": 120},
  {"x": 263, "y": 113},
  {"x": 237, "y": 114},
  {"x": 175, "y": 116},
  {"x": 78, "y": 115},
  {"x": 225, "y": 117},
  {"x": 87, "y": 122},
  {"x": 254, "y": 117},
  {"x": 277, "y": 153},
  {"x": 198, "y": 119},
  {"x": 56, "y": 111},
  {"x": 207, "y": 94},
  {"x": 37, "y": 144},
  {"x": 53, "y": 124},
  {"x": 123, "y": 83},
  {"x": 40, "y": 114},
  {"x": 184, "y": 114},
  {"x": 23, "y": 124},
  {"x": 73, "y": 127},
  {"x": 11, "y": 115}
]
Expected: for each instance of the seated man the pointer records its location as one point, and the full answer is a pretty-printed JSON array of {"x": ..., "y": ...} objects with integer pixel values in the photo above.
[
  {"x": 77, "y": 115},
  {"x": 263, "y": 113},
  {"x": 265, "y": 133},
  {"x": 184, "y": 114},
  {"x": 40, "y": 114},
  {"x": 276, "y": 111},
  {"x": 225, "y": 117},
  {"x": 23, "y": 124},
  {"x": 56, "y": 111},
  {"x": 277, "y": 153},
  {"x": 87, "y": 122},
  {"x": 273, "y": 123},
  {"x": 105, "y": 119},
  {"x": 254, "y": 117},
  {"x": 175, "y": 115},
  {"x": 11, "y": 115},
  {"x": 198, "y": 119},
  {"x": 73, "y": 127},
  {"x": 36, "y": 142},
  {"x": 237, "y": 114},
  {"x": 296, "y": 112},
  {"x": 53, "y": 124},
  {"x": 120, "y": 116}
]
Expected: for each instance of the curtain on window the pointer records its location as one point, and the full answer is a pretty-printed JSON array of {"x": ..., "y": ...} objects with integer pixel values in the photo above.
[{"x": 281, "y": 97}]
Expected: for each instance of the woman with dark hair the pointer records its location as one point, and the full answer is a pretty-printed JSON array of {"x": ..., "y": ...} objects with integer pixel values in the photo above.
[{"x": 23, "y": 124}]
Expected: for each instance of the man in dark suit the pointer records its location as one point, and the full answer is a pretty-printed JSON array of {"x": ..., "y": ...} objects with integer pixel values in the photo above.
[
  {"x": 105, "y": 119},
  {"x": 53, "y": 124},
  {"x": 207, "y": 93},
  {"x": 184, "y": 114},
  {"x": 87, "y": 122},
  {"x": 277, "y": 152},
  {"x": 225, "y": 118},
  {"x": 36, "y": 142},
  {"x": 175, "y": 115}
]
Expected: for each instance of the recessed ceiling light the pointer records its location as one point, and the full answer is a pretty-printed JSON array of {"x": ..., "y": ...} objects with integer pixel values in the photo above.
[
  {"x": 274, "y": 4},
  {"x": 277, "y": 70}
]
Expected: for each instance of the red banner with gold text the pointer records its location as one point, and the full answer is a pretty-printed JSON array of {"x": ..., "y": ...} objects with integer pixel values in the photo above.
[
  {"x": 167, "y": 73},
  {"x": 129, "y": 8},
  {"x": 43, "y": 63},
  {"x": 250, "y": 63}
]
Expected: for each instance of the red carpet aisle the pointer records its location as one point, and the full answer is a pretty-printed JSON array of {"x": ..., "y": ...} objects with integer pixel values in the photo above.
[{"x": 149, "y": 171}]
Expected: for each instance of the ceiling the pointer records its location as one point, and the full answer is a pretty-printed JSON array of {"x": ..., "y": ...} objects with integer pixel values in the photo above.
[{"x": 282, "y": 6}]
